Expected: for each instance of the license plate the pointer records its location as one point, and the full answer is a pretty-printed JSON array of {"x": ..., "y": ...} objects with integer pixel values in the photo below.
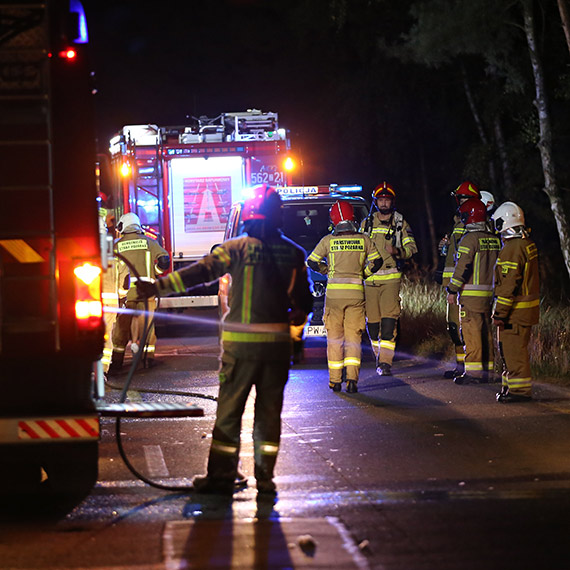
[{"x": 315, "y": 330}]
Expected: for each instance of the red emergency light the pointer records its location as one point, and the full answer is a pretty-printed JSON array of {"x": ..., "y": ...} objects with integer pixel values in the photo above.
[
  {"x": 69, "y": 54},
  {"x": 88, "y": 304}
]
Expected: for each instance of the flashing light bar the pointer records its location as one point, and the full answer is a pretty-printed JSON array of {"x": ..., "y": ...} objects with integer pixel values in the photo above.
[{"x": 346, "y": 189}]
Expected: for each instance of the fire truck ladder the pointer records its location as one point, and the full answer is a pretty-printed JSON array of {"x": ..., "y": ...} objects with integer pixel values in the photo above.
[
  {"x": 27, "y": 252},
  {"x": 148, "y": 182}
]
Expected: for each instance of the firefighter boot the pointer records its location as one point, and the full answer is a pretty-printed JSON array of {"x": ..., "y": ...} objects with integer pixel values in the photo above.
[
  {"x": 116, "y": 363},
  {"x": 351, "y": 387}
]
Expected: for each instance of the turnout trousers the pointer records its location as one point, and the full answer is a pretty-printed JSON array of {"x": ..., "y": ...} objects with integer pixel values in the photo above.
[
  {"x": 513, "y": 347},
  {"x": 237, "y": 377},
  {"x": 344, "y": 321},
  {"x": 383, "y": 307},
  {"x": 478, "y": 337}
]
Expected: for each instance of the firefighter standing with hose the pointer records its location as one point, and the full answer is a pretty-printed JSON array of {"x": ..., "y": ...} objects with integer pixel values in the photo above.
[
  {"x": 269, "y": 290},
  {"x": 150, "y": 259},
  {"x": 471, "y": 286},
  {"x": 394, "y": 239},
  {"x": 517, "y": 305},
  {"x": 350, "y": 257}
]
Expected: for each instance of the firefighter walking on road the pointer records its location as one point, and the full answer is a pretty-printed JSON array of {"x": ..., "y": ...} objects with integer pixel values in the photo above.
[
  {"x": 471, "y": 286},
  {"x": 150, "y": 259},
  {"x": 517, "y": 304},
  {"x": 395, "y": 242},
  {"x": 269, "y": 290},
  {"x": 350, "y": 257}
]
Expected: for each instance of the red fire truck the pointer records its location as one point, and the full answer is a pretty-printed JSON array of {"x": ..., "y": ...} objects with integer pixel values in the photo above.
[
  {"x": 51, "y": 326},
  {"x": 182, "y": 181}
]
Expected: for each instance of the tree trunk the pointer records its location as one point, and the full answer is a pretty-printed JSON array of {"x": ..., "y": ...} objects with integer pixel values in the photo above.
[
  {"x": 565, "y": 17},
  {"x": 506, "y": 167},
  {"x": 429, "y": 211},
  {"x": 545, "y": 143},
  {"x": 478, "y": 123}
]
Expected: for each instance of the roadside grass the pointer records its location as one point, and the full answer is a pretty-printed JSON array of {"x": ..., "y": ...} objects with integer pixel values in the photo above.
[{"x": 423, "y": 330}]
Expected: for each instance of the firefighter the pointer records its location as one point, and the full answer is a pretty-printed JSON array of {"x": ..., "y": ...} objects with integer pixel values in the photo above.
[
  {"x": 149, "y": 259},
  {"x": 350, "y": 257},
  {"x": 471, "y": 286},
  {"x": 269, "y": 290},
  {"x": 517, "y": 291},
  {"x": 395, "y": 242},
  {"x": 448, "y": 249}
]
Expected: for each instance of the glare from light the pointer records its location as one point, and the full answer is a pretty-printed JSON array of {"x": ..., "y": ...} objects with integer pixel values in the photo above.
[
  {"x": 289, "y": 164},
  {"x": 87, "y": 272}
]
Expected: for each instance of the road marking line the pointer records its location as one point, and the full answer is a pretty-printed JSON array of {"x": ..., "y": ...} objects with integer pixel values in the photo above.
[{"x": 155, "y": 461}]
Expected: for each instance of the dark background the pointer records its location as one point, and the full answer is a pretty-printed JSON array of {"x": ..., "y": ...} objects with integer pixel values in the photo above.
[{"x": 358, "y": 111}]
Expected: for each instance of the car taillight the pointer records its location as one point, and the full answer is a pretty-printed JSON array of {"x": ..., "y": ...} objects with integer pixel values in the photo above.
[{"x": 88, "y": 305}]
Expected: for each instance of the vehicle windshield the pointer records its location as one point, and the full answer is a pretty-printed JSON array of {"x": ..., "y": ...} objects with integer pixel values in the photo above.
[{"x": 306, "y": 224}]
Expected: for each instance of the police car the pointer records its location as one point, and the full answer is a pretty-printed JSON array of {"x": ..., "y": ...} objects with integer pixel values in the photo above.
[{"x": 305, "y": 221}]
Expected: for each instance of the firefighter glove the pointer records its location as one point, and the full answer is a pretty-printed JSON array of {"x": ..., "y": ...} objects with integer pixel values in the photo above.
[{"x": 146, "y": 288}]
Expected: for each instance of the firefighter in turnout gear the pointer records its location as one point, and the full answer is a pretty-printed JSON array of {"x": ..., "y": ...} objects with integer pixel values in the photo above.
[
  {"x": 395, "y": 242},
  {"x": 269, "y": 290},
  {"x": 517, "y": 293},
  {"x": 472, "y": 281},
  {"x": 448, "y": 248},
  {"x": 350, "y": 257},
  {"x": 150, "y": 259}
]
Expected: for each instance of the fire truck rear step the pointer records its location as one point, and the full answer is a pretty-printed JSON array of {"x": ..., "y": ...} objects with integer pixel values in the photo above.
[{"x": 149, "y": 410}]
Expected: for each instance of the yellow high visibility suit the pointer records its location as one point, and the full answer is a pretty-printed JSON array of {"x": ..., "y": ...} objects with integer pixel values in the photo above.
[
  {"x": 452, "y": 310},
  {"x": 150, "y": 259},
  {"x": 517, "y": 292},
  {"x": 350, "y": 257},
  {"x": 382, "y": 290},
  {"x": 472, "y": 279},
  {"x": 268, "y": 279}
]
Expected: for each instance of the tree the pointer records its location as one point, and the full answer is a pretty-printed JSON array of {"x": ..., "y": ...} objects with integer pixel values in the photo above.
[{"x": 445, "y": 33}]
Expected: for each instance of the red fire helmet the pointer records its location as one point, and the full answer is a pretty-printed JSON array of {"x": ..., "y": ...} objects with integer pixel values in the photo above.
[
  {"x": 265, "y": 204},
  {"x": 341, "y": 211},
  {"x": 472, "y": 211}
]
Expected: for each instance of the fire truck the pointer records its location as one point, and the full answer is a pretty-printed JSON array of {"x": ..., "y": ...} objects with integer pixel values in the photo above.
[
  {"x": 182, "y": 181},
  {"x": 51, "y": 325}
]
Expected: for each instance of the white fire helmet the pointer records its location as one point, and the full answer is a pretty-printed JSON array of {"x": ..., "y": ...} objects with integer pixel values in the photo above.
[
  {"x": 508, "y": 215},
  {"x": 488, "y": 199},
  {"x": 128, "y": 220}
]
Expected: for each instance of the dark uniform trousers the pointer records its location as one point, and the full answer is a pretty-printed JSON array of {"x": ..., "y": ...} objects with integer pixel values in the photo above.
[
  {"x": 237, "y": 377},
  {"x": 344, "y": 320},
  {"x": 513, "y": 346}
]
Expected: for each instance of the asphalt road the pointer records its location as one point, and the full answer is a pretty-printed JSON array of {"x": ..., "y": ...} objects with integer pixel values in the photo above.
[{"x": 412, "y": 472}]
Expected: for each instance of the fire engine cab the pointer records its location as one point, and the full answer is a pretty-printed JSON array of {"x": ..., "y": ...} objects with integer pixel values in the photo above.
[{"x": 182, "y": 181}]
